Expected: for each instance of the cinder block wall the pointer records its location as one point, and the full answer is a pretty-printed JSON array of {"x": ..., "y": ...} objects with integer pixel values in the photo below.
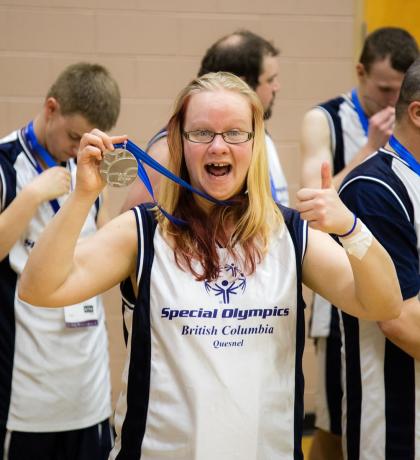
[{"x": 153, "y": 48}]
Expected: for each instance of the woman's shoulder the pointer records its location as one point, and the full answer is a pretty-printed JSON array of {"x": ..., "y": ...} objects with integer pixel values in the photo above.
[
  {"x": 296, "y": 227},
  {"x": 291, "y": 216}
]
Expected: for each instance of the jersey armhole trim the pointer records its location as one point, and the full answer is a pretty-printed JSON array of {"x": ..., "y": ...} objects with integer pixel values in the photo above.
[
  {"x": 140, "y": 254},
  {"x": 331, "y": 125},
  {"x": 384, "y": 184},
  {"x": 3, "y": 190},
  {"x": 157, "y": 137},
  {"x": 26, "y": 150},
  {"x": 304, "y": 239},
  {"x": 127, "y": 303}
]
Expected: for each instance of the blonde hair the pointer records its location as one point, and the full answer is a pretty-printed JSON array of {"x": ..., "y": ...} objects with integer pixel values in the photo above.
[{"x": 260, "y": 215}]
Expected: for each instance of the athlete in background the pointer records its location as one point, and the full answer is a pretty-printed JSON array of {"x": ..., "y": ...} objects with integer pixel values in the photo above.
[
  {"x": 344, "y": 131},
  {"x": 55, "y": 395},
  {"x": 382, "y": 360}
]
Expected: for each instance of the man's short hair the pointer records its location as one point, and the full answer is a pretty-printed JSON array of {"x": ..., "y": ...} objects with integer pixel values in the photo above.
[
  {"x": 392, "y": 42},
  {"x": 90, "y": 91},
  {"x": 240, "y": 53},
  {"x": 410, "y": 89}
]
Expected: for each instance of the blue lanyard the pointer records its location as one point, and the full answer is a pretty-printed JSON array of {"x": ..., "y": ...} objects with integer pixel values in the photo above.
[
  {"x": 143, "y": 157},
  {"x": 404, "y": 154},
  {"x": 364, "y": 121},
  {"x": 36, "y": 147}
]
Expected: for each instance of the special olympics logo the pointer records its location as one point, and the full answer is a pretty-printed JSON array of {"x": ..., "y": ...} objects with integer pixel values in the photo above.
[{"x": 231, "y": 282}]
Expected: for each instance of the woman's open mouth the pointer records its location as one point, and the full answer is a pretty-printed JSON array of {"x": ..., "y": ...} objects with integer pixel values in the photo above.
[{"x": 218, "y": 169}]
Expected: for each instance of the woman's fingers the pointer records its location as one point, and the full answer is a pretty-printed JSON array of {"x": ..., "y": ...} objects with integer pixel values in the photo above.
[
  {"x": 91, "y": 151},
  {"x": 101, "y": 140},
  {"x": 119, "y": 139},
  {"x": 305, "y": 194}
]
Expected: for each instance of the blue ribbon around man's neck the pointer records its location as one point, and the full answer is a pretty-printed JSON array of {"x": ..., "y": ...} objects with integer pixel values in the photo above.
[
  {"x": 364, "y": 120},
  {"x": 43, "y": 153},
  {"x": 404, "y": 154}
]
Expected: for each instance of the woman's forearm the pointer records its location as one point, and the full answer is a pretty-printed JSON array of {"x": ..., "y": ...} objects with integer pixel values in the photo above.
[{"x": 376, "y": 283}]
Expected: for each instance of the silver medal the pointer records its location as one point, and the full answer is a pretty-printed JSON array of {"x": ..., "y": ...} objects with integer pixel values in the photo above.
[{"x": 118, "y": 168}]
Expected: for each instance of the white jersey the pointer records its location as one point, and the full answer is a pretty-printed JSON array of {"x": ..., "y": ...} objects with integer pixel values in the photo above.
[
  {"x": 214, "y": 368},
  {"x": 60, "y": 367},
  {"x": 278, "y": 182},
  {"x": 347, "y": 138}
]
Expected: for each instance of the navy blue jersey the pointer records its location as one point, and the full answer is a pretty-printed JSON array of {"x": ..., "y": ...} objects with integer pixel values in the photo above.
[
  {"x": 382, "y": 381},
  {"x": 379, "y": 194}
]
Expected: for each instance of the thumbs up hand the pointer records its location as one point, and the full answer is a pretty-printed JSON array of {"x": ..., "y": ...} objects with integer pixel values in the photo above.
[{"x": 322, "y": 208}]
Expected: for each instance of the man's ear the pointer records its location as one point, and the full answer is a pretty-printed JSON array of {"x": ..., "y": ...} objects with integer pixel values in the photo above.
[
  {"x": 51, "y": 106},
  {"x": 413, "y": 111},
  {"x": 360, "y": 70}
]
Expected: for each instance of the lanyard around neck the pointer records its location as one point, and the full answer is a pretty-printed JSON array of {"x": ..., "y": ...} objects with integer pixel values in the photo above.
[
  {"x": 364, "y": 121},
  {"x": 143, "y": 157},
  {"x": 405, "y": 154},
  {"x": 39, "y": 150}
]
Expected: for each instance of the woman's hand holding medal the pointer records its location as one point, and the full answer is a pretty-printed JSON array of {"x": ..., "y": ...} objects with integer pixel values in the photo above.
[{"x": 93, "y": 147}]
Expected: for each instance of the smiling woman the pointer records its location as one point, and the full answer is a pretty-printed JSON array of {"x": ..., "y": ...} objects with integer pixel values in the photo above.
[
  {"x": 218, "y": 167},
  {"x": 234, "y": 269},
  {"x": 223, "y": 170}
]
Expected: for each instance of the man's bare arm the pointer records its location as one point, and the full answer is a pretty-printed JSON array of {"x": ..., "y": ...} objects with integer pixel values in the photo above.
[
  {"x": 404, "y": 331},
  {"x": 316, "y": 144}
]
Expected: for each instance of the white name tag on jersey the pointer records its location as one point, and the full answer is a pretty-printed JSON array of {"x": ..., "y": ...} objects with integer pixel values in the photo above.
[{"x": 82, "y": 315}]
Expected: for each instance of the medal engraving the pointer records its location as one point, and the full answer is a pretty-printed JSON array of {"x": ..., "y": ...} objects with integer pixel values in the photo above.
[{"x": 118, "y": 168}]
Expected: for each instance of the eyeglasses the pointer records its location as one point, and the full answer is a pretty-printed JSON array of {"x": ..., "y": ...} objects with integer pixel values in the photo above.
[{"x": 203, "y": 136}]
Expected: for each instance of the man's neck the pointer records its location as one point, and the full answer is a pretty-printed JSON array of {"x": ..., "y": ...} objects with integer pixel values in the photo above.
[
  {"x": 361, "y": 97},
  {"x": 39, "y": 129},
  {"x": 409, "y": 139}
]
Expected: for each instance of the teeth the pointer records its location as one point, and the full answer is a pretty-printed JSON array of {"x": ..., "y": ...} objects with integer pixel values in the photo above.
[{"x": 219, "y": 165}]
